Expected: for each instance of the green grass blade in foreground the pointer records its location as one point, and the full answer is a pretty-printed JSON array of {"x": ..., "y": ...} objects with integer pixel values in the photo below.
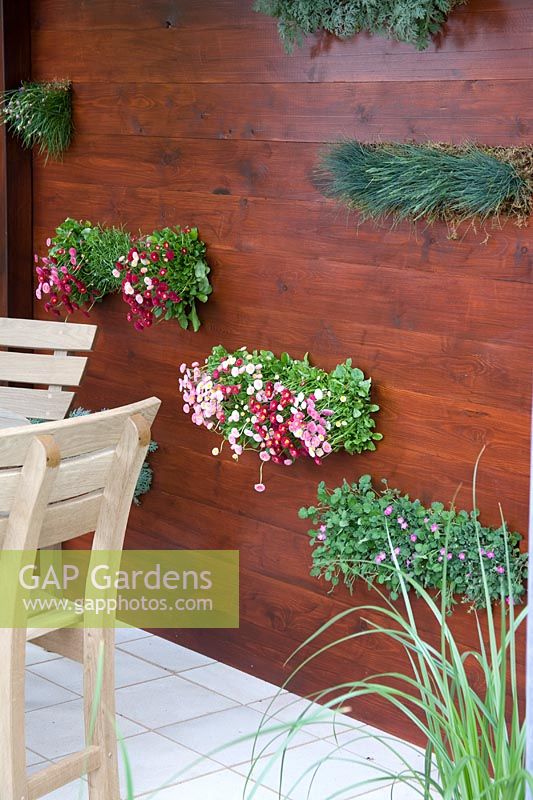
[{"x": 476, "y": 752}]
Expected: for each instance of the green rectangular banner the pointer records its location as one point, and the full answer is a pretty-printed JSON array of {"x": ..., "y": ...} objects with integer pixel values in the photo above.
[{"x": 140, "y": 588}]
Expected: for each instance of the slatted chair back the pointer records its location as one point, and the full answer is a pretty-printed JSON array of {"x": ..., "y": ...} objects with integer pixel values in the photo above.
[
  {"x": 57, "y": 481},
  {"x": 54, "y": 369}
]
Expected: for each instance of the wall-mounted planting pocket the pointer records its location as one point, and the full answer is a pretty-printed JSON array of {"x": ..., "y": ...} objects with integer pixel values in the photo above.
[
  {"x": 161, "y": 276},
  {"x": 377, "y": 536},
  {"x": 282, "y": 408},
  {"x": 40, "y": 114},
  {"x": 404, "y": 20},
  {"x": 394, "y": 181}
]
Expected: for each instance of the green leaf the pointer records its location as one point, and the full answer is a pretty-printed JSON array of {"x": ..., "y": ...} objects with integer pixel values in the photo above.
[{"x": 193, "y": 316}]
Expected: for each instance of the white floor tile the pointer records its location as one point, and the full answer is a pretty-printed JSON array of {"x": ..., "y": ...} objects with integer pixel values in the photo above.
[
  {"x": 240, "y": 686},
  {"x": 128, "y": 670},
  {"x": 318, "y": 769},
  {"x": 41, "y": 693},
  {"x": 156, "y": 761},
  {"x": 35, "y": 654},
  {"x": 318, "y": 721},
  {"x": 168, "y": 700},
  {"x": 58, "y": 730},
  {"x": 213, "y": 731},
  {"x": 383, "y": 749},
  {"x": 209, "y": 705},
  {"x": 225, "y": 785},
  {"x": 166, "y": 654},
  {"x": 129, "y": 634},
  {"x": 397, "y": 791},
  {"x": 32, "y": 758}
]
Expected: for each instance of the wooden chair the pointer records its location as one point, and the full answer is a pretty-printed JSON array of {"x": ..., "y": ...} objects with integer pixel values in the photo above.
[
  {"x": 54, "y": 370},
  {"x": 59, "y": 481}
]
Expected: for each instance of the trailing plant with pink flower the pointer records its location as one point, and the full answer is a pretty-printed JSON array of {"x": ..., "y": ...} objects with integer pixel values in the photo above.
[
  {"x": 283, "y": 409},
  {"x": 359, "y": 532},
  {"x": 163, "y": 276},
  {"x": 77, "y": 271}
]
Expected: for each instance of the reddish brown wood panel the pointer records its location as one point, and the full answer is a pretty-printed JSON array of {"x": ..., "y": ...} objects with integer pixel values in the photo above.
[{"x": 192, "y": 113}]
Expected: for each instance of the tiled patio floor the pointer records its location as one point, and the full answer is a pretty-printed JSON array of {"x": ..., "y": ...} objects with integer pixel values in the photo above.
[{"x": 176, "y": 706}]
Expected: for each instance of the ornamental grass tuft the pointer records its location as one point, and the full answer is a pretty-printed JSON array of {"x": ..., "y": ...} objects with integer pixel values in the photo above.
[
  {"x": 41, "y": 115},
  {"x": 394, "y": 181},
  {"x": 411, "y": 21}
]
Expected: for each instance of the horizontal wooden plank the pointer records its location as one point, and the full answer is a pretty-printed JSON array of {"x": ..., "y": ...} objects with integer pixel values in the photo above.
[
  {"x": 36, "y": 403},
  {"x": 66, "y": 520},
  {"x": 70, "y": 518},
  {"x": 76, "y": 476},
  {"x": 76, "y": 435},
  {"x": 494, "y": 112},
  {"x": 230, "y": 485},
  {"x": 64, "y": 771},
  {"x": 32, "y": 334},
  {"x": 224, "y": 167},
  {"x": 37, "y": 368},
  {"x": 140, "y": 16},
  {"x": 220, "y": 167},
  {"x": 67, "y": 642},
  {"x": 481, "y": 309},
  {"x": 497, "y": 46}
]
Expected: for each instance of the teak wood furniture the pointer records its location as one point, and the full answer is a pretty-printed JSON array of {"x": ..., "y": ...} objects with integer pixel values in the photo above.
[
  {"x": 54, "y": 369},
  {"x": 59, "y": 481}
]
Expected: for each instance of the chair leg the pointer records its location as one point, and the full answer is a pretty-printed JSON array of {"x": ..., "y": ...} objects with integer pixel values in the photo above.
[
  {"x": 103, "y": 782},
  {"x": 13, "y": 780}
]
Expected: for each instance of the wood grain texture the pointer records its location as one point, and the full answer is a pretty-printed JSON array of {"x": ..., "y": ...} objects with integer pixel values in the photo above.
[
  {"x": 476, "y": 46},
  {"x": 192, "y": 113},
  {"x": 30, "y": 368},
  {"x": 32, "y": 334},
  {"x": 491, "y": 111}
]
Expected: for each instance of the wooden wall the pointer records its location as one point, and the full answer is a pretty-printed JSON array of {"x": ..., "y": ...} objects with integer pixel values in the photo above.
[{"x": 191, "y": 112}]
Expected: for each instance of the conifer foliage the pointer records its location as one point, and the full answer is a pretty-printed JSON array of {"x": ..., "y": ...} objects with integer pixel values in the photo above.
[{"x": 411, "y": 21}]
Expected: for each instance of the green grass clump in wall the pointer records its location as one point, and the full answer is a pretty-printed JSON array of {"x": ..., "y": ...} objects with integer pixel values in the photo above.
[
  {"x": 40, "y": 114},
  {"x": 411, "y": 21},
  {"x": 430, "y": 181}
]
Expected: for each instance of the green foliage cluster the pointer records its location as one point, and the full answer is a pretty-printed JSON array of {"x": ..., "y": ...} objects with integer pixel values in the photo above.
[
  {"x": 40, "y": 114},
  {"x": 166, "y": 270},
  {"x": 430, "y": 181},
  {"x": 344, "y": 390},
  {"x": 351, "y": 540},
  {"x": 411, "y": 21},
  {"x": 187, "y": 272},
  {"x": 77, "y": 270}
]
